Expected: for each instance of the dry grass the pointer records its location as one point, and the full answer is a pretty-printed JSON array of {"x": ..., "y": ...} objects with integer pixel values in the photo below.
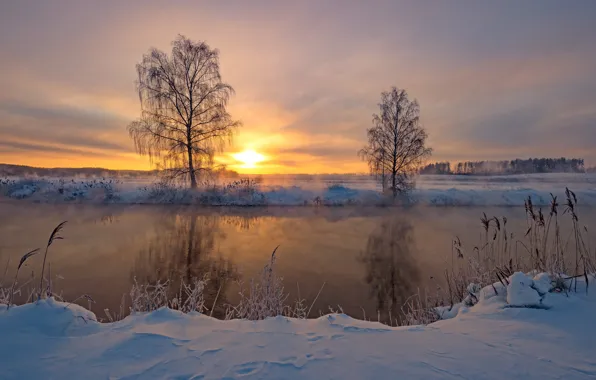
[
  {"x": 149, "y": 297},
  {"x": 7, "y": 295},
  {"x": 55, "y": 235},
  {"x": 542, "y": 248},
  {"x": 267, "y": 297},
  {"x": 14, "y": 282},
  {"x": 418, "y": 309}
]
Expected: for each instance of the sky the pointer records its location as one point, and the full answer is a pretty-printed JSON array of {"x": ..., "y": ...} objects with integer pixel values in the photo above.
[{"x": 494, "y": 79}]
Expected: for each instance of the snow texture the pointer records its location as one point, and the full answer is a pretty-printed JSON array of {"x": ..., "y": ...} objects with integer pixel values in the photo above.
[
  {"x": 490, "y": 340},
  {"x": 521, "y": 293},
  {"x": 431, "y": 190},
  {"x": 542, "y": 283}
]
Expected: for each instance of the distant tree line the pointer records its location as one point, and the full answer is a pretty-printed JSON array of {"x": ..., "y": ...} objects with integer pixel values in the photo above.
[
  {"x": 8, "y": 170},
  {"x": 30, "y": 171},
  {"x": 437, "y": 168},
  {"x": 517, "y": 166}
]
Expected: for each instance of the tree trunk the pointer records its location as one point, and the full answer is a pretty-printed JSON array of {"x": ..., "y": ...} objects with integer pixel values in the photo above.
[
  {"x": 383, "y": 178},
  {"x": 191, "y": 166},
  {"x": 394, "y": 174},
  {"x": 191, "y": 170},
  {"x": 394, "y": 153}
]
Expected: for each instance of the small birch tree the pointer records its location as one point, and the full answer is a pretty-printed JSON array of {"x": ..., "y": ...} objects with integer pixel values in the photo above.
[{"x": 396, "y": 146}]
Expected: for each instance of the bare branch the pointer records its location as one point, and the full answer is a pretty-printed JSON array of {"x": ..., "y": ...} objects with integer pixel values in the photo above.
[{"x": 184, "y": 121}]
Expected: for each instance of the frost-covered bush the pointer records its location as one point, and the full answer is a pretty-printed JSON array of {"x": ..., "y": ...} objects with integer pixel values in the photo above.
[
  {"x": 162, "y": 192},
  {"x": 266, "y": 297},
  {"x": 21, "y": 188},
  {"x": 244, "y": 191},
  {"x": 149, "y": 297},
  {"x": 337, "y": 187},
  {"x": 244, "y": 186},
  {"x": 419, "y": 310},
  {"x": 102, "y": 190},
  {"x": 263, "y": 298}
]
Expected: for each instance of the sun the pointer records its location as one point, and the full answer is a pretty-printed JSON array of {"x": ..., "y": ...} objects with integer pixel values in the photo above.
[{"x": 249, "y": 158}]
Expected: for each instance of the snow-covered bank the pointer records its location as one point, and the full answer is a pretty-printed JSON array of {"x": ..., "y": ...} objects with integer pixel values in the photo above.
[
  {"x": 491, "y": 340},
  {"x": 431, "y": 190}
]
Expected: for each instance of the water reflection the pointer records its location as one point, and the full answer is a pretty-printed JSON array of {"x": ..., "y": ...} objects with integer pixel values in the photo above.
[
  {"x": 108, "y": 218},
  {"x": 391, "y": 270},
  {"x": 183, "y": 246},
  {"x": 368, "y": 257},
  {"x": 242, "y": 222}
]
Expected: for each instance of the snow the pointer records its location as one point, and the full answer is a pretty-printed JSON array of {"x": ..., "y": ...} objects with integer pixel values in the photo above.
[
  {"x": 431, "y": 190},
  {"x": 520, "y": 291},
  {"x": 542, "y": 283},
  {"x": 47, "y": 340}
]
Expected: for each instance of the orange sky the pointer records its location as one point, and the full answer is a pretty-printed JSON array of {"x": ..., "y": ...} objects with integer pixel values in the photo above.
[{"x": 307, "y": 75}]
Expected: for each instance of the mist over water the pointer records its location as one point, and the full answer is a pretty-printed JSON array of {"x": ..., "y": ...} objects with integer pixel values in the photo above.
[{"x": 370, "y": 258}]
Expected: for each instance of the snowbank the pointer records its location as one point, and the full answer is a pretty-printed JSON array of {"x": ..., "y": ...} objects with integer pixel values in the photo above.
[
  {"x": 488, "y": 341},
  {"x": 435, "y": 190}
]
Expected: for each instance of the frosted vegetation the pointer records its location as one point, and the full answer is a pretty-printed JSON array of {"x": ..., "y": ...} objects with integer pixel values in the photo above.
[{"x": 299, "y": 191}]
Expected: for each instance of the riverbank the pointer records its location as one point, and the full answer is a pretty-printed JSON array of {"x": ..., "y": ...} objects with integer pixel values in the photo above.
[{"x": 491, "y": 340}]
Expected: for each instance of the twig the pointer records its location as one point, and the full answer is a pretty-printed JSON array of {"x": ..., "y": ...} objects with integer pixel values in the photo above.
[
  {"x": 216, "y": 297},
  {"x": 315, "y": 300}
]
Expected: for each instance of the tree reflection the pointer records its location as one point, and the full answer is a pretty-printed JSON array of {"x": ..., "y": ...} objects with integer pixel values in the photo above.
[
  {"x": 391, "y": 271},
  {"x": 242, "y": 221},
  {"x": 182, "y": 247}
]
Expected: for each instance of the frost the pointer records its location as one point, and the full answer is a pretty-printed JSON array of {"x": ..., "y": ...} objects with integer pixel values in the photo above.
[{"x": 431, "y": 190}]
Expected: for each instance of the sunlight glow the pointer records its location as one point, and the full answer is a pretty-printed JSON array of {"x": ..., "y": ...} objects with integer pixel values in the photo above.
[{"x": 249, "y": 158}]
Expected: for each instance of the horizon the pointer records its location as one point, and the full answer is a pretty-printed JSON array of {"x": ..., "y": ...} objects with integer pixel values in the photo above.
[
  {"x": 453, "y": 164},
  {"x": 494, "y": 81}
]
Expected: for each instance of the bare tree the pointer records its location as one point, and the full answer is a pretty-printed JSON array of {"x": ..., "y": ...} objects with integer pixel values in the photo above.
[
  {"x": 396, "y": 142},
  {"x": 184, "y": 120}
]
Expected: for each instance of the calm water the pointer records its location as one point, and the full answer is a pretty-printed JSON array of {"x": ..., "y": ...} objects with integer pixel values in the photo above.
[{"x": 368, "y": 258}]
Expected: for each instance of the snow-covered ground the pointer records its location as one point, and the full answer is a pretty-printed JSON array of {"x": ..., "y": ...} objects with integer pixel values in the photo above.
[
  {"x": 498, "y": 338},
  {"x": 287, "y": 191}
]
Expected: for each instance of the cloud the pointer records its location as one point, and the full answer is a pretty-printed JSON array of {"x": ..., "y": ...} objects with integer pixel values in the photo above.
[
  {"x": 90, "y": 119},
  {"x": 309, "y": 74},
  {"x": 32, "y": 148},
  {"x": 321, "y": 152},
  {"x": 68, "y": 126}
]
